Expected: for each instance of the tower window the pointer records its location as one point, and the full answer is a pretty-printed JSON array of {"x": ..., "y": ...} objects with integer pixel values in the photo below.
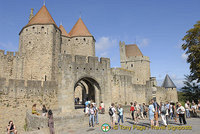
[
  {"x": 33, "y": 27},
  {"x": 131, "y": 65},
  {"x": 84, "y": 39},
  {"x": 76, "y": 38},
  {"x": 69, "y": 40},
  {"x": 42, "y": 27},
  {"x": 29, "y": 42}
]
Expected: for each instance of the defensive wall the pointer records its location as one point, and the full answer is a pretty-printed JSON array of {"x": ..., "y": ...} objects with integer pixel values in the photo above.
[{"x": 15, "y": 88}]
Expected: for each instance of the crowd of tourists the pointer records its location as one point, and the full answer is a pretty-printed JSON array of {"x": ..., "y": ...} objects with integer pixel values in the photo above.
[
  {"x": 165, "y": 110},
  {"x": 153, "y": 111},
  {"x": 92, "y": 111}
]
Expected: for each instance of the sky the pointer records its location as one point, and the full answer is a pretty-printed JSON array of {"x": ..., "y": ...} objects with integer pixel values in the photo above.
[{"x": 156, "y": 26}]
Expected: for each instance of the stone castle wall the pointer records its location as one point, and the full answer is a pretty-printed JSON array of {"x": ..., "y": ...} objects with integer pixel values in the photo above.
[
  {"x": 10, "y": 65},
  {"x": 21, "y": 89}
]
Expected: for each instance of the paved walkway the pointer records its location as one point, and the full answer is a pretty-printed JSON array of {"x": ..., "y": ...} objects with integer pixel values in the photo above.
[{"x": 193, "y": 126}]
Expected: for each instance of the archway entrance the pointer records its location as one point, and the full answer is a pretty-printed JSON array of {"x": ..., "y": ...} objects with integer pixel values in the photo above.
[{"x": 86, "y": 89}]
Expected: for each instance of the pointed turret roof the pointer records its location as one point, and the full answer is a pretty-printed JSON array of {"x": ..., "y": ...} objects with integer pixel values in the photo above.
[
  {"x": 79, "y": 29},
  {"x": 132, "y": 50},
  {"x": 168, "y": 83},
  {"x": 42, "y": 17},
  {"x": 64, "y": 32}
]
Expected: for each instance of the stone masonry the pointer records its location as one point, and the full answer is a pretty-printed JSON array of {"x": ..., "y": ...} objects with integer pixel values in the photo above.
[{"x": 52, "y": 62}]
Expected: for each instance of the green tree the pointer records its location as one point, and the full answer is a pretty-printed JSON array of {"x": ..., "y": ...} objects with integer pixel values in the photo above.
[
  {"x": 192, "y": 47},
  {"x": 191, "y": 89}
]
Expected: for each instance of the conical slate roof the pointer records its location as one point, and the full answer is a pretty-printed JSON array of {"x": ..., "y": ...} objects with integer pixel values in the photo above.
[
  {"x": 132, "y": 50},
  {"x": 42, "y": 17},
  {"x": 64, "y": 32},
  {"x": 168, "y": 83},
  {"x": 79, "y": 29}
]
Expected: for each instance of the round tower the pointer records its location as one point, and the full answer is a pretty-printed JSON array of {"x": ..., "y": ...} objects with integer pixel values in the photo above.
[
  {"x": 131, "y": 58},
  {"x": 82, "y": 42},
  {"x": 39, "y": 46},
  {"x": 169, "y": 85}
]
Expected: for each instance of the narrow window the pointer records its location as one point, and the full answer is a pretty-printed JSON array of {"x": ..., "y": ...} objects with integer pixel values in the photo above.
[{"x": 131, "y": 65}]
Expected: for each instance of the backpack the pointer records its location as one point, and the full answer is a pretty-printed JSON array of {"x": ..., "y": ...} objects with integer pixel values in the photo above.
[
  {"x": 163, "y": 110},
  {"x": 110, "y": 111}
]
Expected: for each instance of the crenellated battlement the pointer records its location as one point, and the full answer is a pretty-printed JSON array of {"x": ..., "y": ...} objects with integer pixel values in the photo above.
[
  {"x": 8, "y": 53},
  {"x": 16, "y": 88},
  {"x": 90, "y": 60}
]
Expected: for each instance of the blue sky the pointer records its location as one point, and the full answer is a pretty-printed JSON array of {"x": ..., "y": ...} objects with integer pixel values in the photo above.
[{"x": 156, "y": 26}]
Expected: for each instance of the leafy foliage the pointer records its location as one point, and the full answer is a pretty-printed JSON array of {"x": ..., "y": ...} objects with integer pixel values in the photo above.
[
  {"x": 192, "y": 47},
  {"x": 191, "y": 90}
]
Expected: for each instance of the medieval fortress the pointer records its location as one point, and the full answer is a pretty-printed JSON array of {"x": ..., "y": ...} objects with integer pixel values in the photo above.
[{"x": 53, "y": 63}]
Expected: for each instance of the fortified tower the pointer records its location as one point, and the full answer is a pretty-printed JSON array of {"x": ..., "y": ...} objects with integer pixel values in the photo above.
[
  {"x": 81, "y": 42},
  {"x": 131, "y": 58},
  {"x": 39, "y": 46},
  {"x": 169, "y": 85}
]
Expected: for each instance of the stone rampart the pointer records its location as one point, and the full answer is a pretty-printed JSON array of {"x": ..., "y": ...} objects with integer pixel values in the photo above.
[{"x": 15, "y": 88}]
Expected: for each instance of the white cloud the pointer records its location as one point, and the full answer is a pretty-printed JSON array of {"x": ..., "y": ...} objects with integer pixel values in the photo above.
[
  {"x": 184, "y": 56},
  {"x": 8, "y": 46},
  {"x": 144, "y": 42},
  {"x": 104, "y": 54},
  {"x": 104, "y": 43}
]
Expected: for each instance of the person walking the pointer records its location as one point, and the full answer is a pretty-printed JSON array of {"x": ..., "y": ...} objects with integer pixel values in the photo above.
[
  {"x": 145, "y": 110},
  {"x": 187, "y": 109},
  {"x": 120, "y": 113},
  {"x": 96, "y": 114},
  {"x": 163, "y": 113},
  {"x": 171, "y": 111},
  {"x": 181, "y": 112},
  {"x": 132, "y": 110},
  {"x": 51, "y": 122},
  {"x": 141, "y": 111},
  {"x": 136, "y": 113},
  {"x": 112, "y": 114},
  {"x": 174, "y": 111},
  {"x": 92, "y": 113},
  {"x": 102, "y": 107},
  {"x": 155, "y": 104},
  {"x": 151, "y": 113}
]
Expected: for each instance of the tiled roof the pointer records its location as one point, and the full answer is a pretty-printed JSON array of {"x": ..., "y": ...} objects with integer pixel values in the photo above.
[
  {"x": 64, "y": 32},
  {"x": 79, "y": 29},
  {"x": 132, "y": 50},
  {"x": 42, "y": 17},
  {"x": 168, "y": 83}
]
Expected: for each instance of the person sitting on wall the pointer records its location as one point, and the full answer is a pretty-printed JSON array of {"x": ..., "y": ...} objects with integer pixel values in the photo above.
[
  {"x": 11, "y": 129},
  {"x": 34, "y": 111}
]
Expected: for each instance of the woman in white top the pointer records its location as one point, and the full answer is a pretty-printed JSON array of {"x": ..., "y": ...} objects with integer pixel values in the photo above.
[{"x": 181, "y": 113}]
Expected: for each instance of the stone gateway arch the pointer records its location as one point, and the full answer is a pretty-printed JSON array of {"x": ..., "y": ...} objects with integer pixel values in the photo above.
[{"x": 91, "y": 74}]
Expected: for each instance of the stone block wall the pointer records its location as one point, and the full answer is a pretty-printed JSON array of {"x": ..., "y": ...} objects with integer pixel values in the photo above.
[
  {"x": 21, "y": 89},
  {"x": 10, "y": 65}
]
